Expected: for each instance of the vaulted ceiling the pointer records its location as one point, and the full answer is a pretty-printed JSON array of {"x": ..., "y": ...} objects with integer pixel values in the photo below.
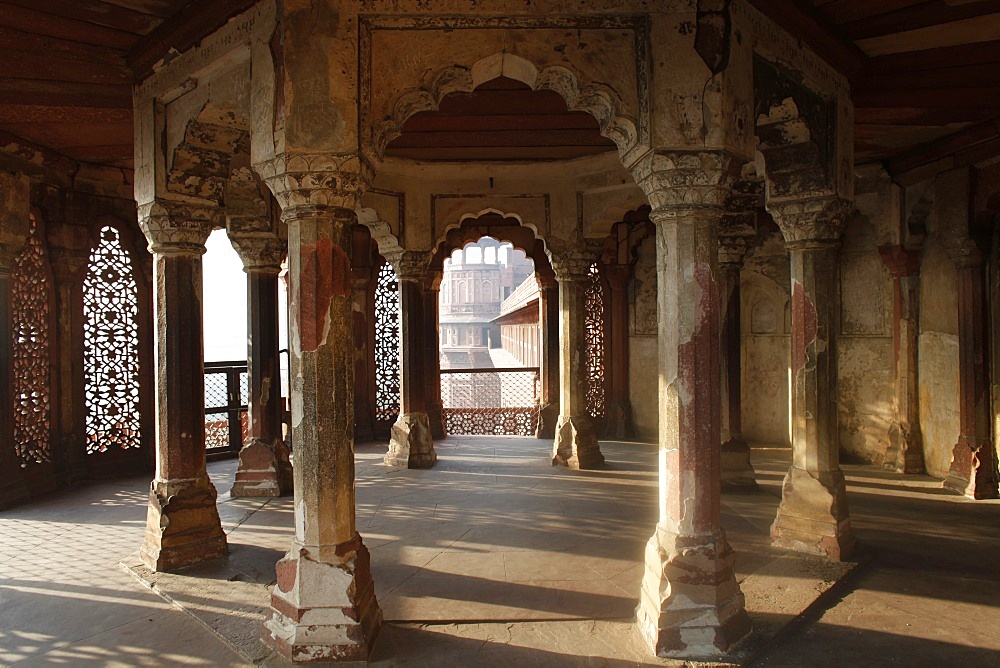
[{"x": 925, "y": 76}]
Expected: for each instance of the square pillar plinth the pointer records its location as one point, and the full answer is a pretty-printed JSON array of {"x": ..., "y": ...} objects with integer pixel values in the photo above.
[
  {"x": 324, "y": 609},
  {"x": 691, "y": 606},
  {"x": 813, "y": 517},
  {"x": 410, "y": 444},
  {"x": 182, "y": 525}
]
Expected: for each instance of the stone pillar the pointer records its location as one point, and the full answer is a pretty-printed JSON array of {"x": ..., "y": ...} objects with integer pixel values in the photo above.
[
  {"x": 323, "y": 606},
  {"x": 905, "y": 453},
  {"x": 737, "y": 471},
  {"x": 973, "y": 459},
  {"x": 182, "y": 524},
  {"x": 15, "y": 208},
  {"x": 264, "y": 469},
  {"x": 548, "y": 325},
  {"x": 690, "y": 604},
  {"x": 619, "y": 423},
  {"x": 576, "y": 439},
  {"x": 432, "y": 354},
  {"x": 813, "y": 516},
  {"x": 69, "y": 253},
  {"x": 364, "y": 416},
  {"x": 410, "y": 443}
]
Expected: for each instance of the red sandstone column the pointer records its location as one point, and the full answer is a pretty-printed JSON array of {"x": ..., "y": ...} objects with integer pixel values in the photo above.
[
  {"x": 905, "y": 452},
  {"x": 813, "y": 515},
  {"x": 690, "y": 604},
  {"x": 973, "y": 459},
  {"x": 619, "y": 422},
  {"x": 432, "y": 354},
  {"x": 548, "y": 325},
  {"x": 410, "y": 443},
  {"x": 364, "y": 425},
  {"x": 737, "y": 471},
  {"x": 576, "y": 439},
  {"x": 15, "y": 209},
  {"x": 182, "y": 524},
  {"x": 323, "y": 606},
  {"x": 264, "y": 469}
]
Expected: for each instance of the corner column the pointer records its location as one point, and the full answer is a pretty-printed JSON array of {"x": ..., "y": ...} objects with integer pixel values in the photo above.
[
  {"x": 15, "y": 208},
  {"x": 619, "y": 424},
  {"x": 576, "y": 439},
  {"x": 905, "y": 453},
  {"x": 548, "y": 324},
  {"x": 182, "y": 523},
  {"x": 973, "y": 459},
  {"x": 690, "y": 604},
  {"x": 264, "y": 469},
  {"x": 323, "y": 606},
  {"x": 813, "y": 516},
  {"x": 737, "y": 471},
  {"x": 410, "y": 441},
  {"x": 432, "y": 354}
]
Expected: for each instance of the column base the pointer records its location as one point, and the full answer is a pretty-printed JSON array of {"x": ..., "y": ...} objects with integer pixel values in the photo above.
[
  {"x": 905, "y": 453},
  {"x": 548, "y": 416},
  {"x": 973, "y": 470},
  {"x": 576, "y": 444},
  {"x": 737, "y": 471},
  {"x": 813, "y": 516},
  {"x": 619, "y": 420},
  {"x": 264, "y": 470},
  {"x": 410, "y": 443},
  {"x": 691, "y": 606},
  {"x": 321, "y": 611},
  {"x": 182, "y": 525}
]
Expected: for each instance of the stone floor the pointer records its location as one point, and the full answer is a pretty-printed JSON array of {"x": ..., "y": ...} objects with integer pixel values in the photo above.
[{"x": 496, "y": 558}]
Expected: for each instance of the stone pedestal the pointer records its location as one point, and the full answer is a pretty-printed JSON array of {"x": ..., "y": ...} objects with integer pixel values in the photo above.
[
  {"x": 973, "y": 460},
  {"x": 813, "y": 516},
  {"x": 905, "y": 453},
  {"x": 410, "y": 443},
  {"x": 575, "y": 438},
  {"x": 323, "y": 607},
  {"x": 264, "y": 469},
  {"x": 183, "y": 525}
]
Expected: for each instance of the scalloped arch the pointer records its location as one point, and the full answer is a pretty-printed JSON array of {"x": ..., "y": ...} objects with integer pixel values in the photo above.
[
  {"x": 387, "y": 242},
  {"x": 599, "y": 100},
  {"x": 530, "y": 242}
]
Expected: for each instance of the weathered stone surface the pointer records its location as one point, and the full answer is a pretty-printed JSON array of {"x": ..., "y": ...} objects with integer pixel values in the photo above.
[
  {"x": 182, "y": 525},
  {"x": 411, "y": 445},
  {"x": 576, "y": 444},
  {"x": 264, "y": 470},
  {"x": 813, "y": 515}
]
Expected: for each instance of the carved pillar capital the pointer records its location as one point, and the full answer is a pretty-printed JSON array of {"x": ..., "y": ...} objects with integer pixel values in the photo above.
[
  {"x": 685, "y": 179},
  {"x": 327, "y": 179},
  {"x": 572, "y": 265},
  {"x": 410, "y": 265},
  {"x": 732, "y": 250},
  {"x": 177, "y": 229},
  {"x": 811, "y": 221},
  {"x": 260, "y": 253},
  {"x": 546, "y": 278}
]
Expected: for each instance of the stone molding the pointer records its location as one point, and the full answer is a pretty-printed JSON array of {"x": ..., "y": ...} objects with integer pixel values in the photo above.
[
  {"x": 572, "y": 265},
  {"x": 811, "y": 220},
  {"x": 177, "y": 229},
  {"x": 317, "y": 179},
  {"x": 685, "y": 179},
  {"x": 260, "y": 253}
]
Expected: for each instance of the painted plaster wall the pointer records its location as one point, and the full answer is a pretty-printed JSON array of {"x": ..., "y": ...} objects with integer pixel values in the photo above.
[
  {"x": 865, "y": 348},
  {"x": 938, "y": 357}
]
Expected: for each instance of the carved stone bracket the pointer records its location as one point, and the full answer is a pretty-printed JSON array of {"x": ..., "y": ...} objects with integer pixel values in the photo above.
[
  {"x": 813, "y": 219},
  {"x": 330, "y": 179},
  {"x": 678, "y": 179},
  {"x": 177, "y": 229}
]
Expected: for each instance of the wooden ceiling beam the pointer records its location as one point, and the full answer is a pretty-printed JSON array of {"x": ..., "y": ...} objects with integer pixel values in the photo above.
[
  {"x": 437, "y": 122},
  {"x": 846, "y": 11},
  {"x": 64, "y": 94},
  {"x": 918, "y": 116},
  {"x": 25, "y": 42},
  {"x": 968, "y": 76},
  {"x": 181, "y": 32},
  {"x": 808, "y": 24},
  {"x": 916, "y": 17},
  {"x": 98, "y": 13},
  {"x": 14, "y": 64},
  {"x": 931, "y": 59},
  {"x": 494, "y": 138},
  {"x": 51, "y": 25},
  {"x": 976, "y": 142},
  {"x": 936, "y": 98},
  {"x": 11, "y": 114}
]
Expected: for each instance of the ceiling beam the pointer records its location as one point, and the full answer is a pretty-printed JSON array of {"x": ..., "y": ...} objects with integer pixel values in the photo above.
[{"x": 973, "y": 144}]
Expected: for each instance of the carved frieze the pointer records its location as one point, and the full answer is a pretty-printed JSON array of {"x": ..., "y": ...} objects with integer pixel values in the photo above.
[
  {"x": 811, "y": 219},
  {"x": 328, "y": 179},
  {"x": 682, "y": 179},
  {"x": 176, "y": 228}
]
